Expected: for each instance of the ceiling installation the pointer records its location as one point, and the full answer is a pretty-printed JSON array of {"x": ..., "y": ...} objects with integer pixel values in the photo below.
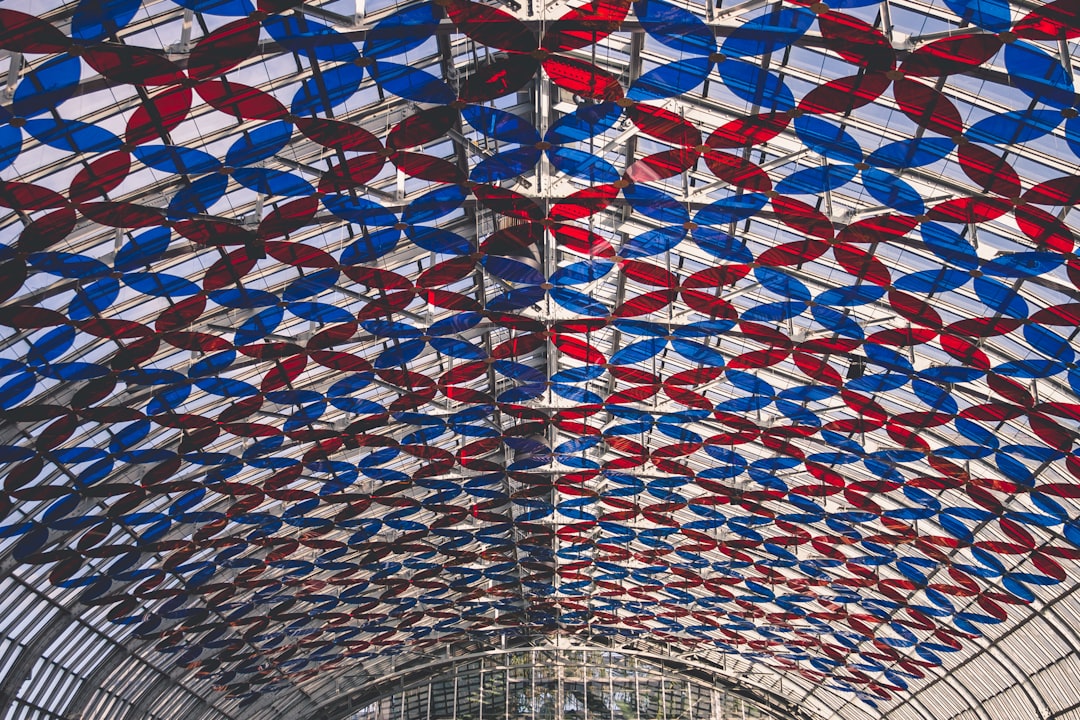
[{"x": 344, "y": 340}]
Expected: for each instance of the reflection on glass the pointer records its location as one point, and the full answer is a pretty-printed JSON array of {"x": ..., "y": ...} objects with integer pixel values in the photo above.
[{"x": 562, "y": 685}]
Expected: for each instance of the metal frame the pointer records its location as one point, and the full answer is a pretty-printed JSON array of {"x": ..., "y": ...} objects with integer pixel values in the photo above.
[{"x": 177, "y": 693}]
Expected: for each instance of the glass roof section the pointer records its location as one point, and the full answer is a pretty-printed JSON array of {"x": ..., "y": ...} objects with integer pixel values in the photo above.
[
  {"x": 558, "y": 683},
  {"x": 340, "y": 338}
]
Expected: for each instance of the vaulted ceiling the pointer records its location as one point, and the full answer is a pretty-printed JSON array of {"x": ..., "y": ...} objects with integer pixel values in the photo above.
[{"x": 341, "y": 340}]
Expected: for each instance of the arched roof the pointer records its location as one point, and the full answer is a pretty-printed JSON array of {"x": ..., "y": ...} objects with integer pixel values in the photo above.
[{"x": 345, "y": 339}]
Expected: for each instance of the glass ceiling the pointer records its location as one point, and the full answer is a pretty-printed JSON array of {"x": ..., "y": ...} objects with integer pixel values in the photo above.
[
  {"x": 555, "y": 684},
  {"x": 344, "y": 336}
]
